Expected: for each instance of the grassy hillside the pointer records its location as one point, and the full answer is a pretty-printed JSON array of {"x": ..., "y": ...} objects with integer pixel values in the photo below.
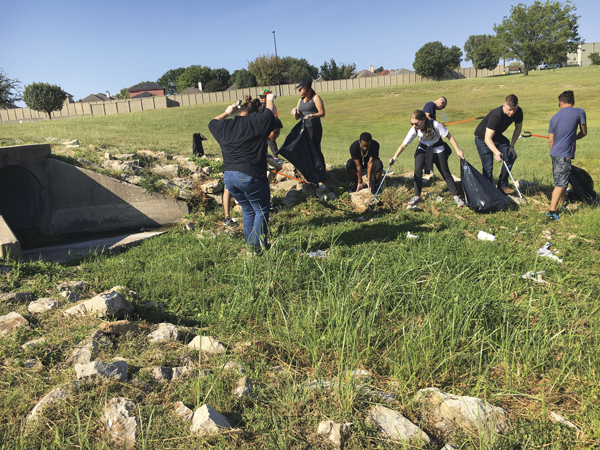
[{"x": 446, "y": 310}]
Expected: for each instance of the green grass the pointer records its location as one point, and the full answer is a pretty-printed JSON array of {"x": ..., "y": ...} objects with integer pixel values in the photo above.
[{"x": 445, "y": 311}]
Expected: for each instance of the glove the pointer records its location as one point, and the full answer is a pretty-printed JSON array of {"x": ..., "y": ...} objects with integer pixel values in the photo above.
[
  {"x": 231, "y": 108},
  {"x": 294, "y": 111},
  {"x": 271, "y": 97},
  {"x": 308, "y": 117},
  {"x": 392, "y": 161}
]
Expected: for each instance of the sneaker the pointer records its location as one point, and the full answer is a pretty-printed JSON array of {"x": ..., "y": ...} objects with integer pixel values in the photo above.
[
  {"x": 413, "y": 201},
  {"x": 458, "y": 201},
  {"x": 229, "y": 222},
  {"x": 552, "y": 216},
  {"x": 508, "y": 191}
]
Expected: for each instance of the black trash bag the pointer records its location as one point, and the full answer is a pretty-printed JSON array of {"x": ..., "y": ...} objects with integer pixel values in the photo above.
[
  {"x": 583, "y": 186},
  {"x": 480, "y": 194},
  {"x": 299, "y": 149},
  {"x": 197, "y": 144}
]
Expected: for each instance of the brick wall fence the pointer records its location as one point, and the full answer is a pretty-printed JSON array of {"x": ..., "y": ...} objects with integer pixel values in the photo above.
[{"x": 127, "y": 106}]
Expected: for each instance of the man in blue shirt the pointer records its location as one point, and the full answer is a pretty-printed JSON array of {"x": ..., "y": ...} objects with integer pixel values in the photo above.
[
  {"x": 562, "y": 134},
  {"x": 431, "y": 108}
]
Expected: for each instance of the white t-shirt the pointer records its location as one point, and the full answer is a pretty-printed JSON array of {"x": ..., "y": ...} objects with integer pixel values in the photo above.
[{"x": 439, "y": 131}]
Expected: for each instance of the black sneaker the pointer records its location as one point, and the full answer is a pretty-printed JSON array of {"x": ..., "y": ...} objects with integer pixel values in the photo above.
[{"x": 229, "y": 222}]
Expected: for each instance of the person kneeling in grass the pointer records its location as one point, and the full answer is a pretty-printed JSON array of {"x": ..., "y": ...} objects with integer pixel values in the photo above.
[
  {"x": 364, "y": 154},
  {"x": 562, "y": 134},
  {"x": 429, "y": 151}
]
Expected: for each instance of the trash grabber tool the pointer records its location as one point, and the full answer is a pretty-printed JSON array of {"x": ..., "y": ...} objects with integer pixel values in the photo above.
[
  {"x": 511, "y": 177},
  {"x": 381, "y": 183},
  {"x": 289, "y": 176},
  {"x": 461, "y": 121},
  {"x": 527, "y": 134}
]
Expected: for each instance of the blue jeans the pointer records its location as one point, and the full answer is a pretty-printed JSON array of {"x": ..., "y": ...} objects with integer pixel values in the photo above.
[
  {"x": 487, "y": 160},
  {"x": 254, "y": 197}
]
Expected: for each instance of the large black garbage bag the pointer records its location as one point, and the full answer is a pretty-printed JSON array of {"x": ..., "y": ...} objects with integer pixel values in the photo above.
[
  {"x": 298, "y": 148},
  {"x": 197, "y": 148},
  {"x": 583, "y": 186},
  {"x": 480, "y": 194}
]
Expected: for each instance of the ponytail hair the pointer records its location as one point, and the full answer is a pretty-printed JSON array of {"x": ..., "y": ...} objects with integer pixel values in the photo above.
[
  {"x": 420, "y": 115},
  {"x": 250, "y": 106}
]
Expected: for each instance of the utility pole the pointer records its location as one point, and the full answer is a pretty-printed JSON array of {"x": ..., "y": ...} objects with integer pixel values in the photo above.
[{"x": 277, "y": 64}]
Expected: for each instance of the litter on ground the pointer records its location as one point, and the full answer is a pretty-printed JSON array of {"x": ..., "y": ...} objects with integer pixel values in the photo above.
[
  {"x": 318, "y": 254},
  {"x": 483, "y": 236},
  {"x": 545, "y": 252},
  {"x": 409, "y": 235}
]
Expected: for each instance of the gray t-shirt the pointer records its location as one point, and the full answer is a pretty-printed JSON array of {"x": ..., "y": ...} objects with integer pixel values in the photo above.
[
  {"x": 563, "y": 126},
  {"x": 307, "y": 108}
]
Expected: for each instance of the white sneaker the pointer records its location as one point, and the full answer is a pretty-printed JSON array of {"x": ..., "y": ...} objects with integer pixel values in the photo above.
[
  {"x": 413, "y": 201},
  {"x": 458, "y": 201}
]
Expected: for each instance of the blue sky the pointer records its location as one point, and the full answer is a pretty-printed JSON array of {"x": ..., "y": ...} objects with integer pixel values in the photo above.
[{"x": 89, "y": 47}]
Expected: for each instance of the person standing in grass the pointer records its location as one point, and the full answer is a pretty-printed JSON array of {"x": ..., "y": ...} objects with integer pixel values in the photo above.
[
  {"x": 431, "y": 108},
  {"x": 430, "y": 151},
  {"x": 243, "y": 143},
  {"x": 562, "y": 135},
  {"x": 491, "y": 143},
  {"x": 364, "y": 154}
]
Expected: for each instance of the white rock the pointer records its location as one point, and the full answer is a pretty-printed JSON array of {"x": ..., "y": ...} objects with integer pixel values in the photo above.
[
  {"x": 33, "y": 343},
  {"x": 169, "y": 169},
  {"x": 109, "y": 303},
  {"x": 207, "y": 344},
  {"x": 232, "y": 365},
  {"x": 11, "y": 322},
  {"x": 243, "y": 387},
  {"x": 120, "y": 422},
  {"x": 32, "y": 364},
  {"x": 361, "y": 198},
  {"x": 73, "y": 286},
  {"x": 162, "y": 373},
  {"x": 336, "y": 432},
  {"x": 183, "y": 411},
  {"x": 180, "y": 372},
  {"x": 292, "y": 198},
  {"x": 131, "y": 179},
  {"x": 42, "y": 305},
  {"x": 117, "y": 369},
  {"x": 71, "y": 296},
  {"x": 212, "y": 187},
  {"x": 121, "y": 166},
  {"x": 56, "y": 395},
  {"x": 17, "y": 297},
  {"x": 79, "y": 355},
  {"x": 207, "y": 421},
  {"x": 357, "y": 373},
  {"x": 164, "y": 332},
  {"x": 207, "y": 170},
  {"x": 396, "y": 427}
]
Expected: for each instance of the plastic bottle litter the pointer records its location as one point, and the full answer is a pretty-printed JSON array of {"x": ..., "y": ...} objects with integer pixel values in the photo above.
[
  {"x": 483, "y": 236},
  {"x": 409, "y": 235},
  {"x": 318, "y": 254},
  {"x": 547, "y": 253},
  {"x": 531, "y": 274}
]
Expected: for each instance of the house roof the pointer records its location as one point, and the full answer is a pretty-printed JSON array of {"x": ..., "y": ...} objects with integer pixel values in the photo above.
[
  {"x": 142, "y": 95},
  {"x": 384, "y": 72},
  {"x": 145, "y": 87},
  {"x": 401, "y": 72},
  {"x": 104, "y": 97},
  {"x": 92, "y": 98},
  {"x": 232, "y": 87},
  {"x": 364, "y": 74},
  {"x": 191, "y": 90}
]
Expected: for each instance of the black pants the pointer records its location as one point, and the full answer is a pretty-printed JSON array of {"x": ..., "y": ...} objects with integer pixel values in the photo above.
[
  {"x": 377, "y": 168},
  {"x": 316, "y": 133},
  {"x": 441, "y": 162}
]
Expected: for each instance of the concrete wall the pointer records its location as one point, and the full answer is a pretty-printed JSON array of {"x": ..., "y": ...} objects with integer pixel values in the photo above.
[
  {"x": 135, "y": 105},
  {"x": 582, "y": 56},
  {"x": 9, "y": 244}
]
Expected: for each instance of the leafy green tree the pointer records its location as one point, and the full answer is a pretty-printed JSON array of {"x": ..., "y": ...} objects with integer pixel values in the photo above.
[
  {"x": 434, "y": 59},
  {"x": 213, "y": 85},
  {"x": 297, "y": 69},
  {"x": 264, "y": 69},
  {"x": 222, "y": 76},
  {"x": 10, "y": 91},
  {"x": 481, "y": 49},
  {"x": 242, "y": 79},
  {"x": 539, "y": 32},
  {"x": 331, "y": 71},
  {"x": 379, "y": 69},
  {"x": 595, "y": 58},
  {"x": 44, "y": 97},
  {"x": 169, "y": 79},
  {"x": 191, "y": 77}
]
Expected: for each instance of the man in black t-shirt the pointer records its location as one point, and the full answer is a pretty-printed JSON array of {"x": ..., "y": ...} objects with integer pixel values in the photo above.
[
  {"x": 492, "y": 144},
  {"x": 364, "y": 154}
]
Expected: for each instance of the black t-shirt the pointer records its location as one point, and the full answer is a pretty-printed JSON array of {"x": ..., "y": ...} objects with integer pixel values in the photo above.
[
  {"x": 243, "y": 142},
  {"x": 498, "y": 121},
  {"x": 431, "y": 109},
  {"x": 357, "y": 153}
]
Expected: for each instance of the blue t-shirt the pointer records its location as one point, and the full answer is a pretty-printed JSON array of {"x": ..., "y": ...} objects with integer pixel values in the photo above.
[
  {"x": 430, "y": 108},
  {"x": 563, "y": 126}
]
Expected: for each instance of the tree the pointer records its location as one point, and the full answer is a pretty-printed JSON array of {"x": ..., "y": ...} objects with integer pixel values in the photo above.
[
  {"x": 331, "y": 71},
  {"x": 297, "y": 69},
  {"x": 222, "y": 76},
  {"x": 44, "y": 97},
  {"x": 434, "y": 59},
  {"x": 191, "y": 77},
  {"x": 594, "y": 58},
  {"x": 482, "y": 50},
  {"x": 264, "y": 69},
  {"x": 379, "y": 69},
  {"x": 242, "y": 79},
  {"x": 213, "y": 85},
  {"x": 539, "y": 32},
  {"x": 169, "y": 79},
  {"x": 10, "y": 91}
]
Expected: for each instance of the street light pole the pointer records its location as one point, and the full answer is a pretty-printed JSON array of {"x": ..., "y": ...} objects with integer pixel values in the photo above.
[{"x": 277, "y": 64}]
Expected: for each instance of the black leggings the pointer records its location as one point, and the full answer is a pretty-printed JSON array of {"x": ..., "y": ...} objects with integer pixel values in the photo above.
[
  {"x": 441, "y": 162},
  {"x": 316, "y": 133}
]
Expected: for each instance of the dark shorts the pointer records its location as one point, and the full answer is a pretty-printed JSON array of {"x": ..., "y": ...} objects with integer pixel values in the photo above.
[
  {"x": 561, "y": 169},
  {"x": 377, "y": 165}
]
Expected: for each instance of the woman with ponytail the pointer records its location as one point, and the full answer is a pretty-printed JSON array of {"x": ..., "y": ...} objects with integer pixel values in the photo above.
[
  {"x": 243, "y": 142},
  {"x": 429, "y": 151}
]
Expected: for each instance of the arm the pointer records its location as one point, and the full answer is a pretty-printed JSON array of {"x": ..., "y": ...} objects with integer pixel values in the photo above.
[
  {"x": 489, "y": 135},
  {"x": 320, "y": 107},
  {"x": 228, "y": 112},
  {"x": 369, "y": 171},
  {"x": 270, "y": 103},
  {"x": 582, "y": 132},
  {"x": 428, "y": 116},
  {"x": 359, "y": 170},
  {"x": 550, "y": 140},
  {"x": 516, "y": 134},
  {"x": 398, "y": 152},
  {"x": 295, "y": 111},
  {"x": 459, "y": 152}
]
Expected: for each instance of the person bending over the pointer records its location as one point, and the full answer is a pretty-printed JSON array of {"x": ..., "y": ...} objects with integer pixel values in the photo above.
[{"x": 431, "y": 108}]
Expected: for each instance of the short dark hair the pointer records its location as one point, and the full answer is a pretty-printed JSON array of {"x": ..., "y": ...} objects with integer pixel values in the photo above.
[
  {"x": 277, "y": 124},
  {"x": 365, "y": 137},
  {"x": 567, "y": 97},
  {"x": 512, "y": 100}
]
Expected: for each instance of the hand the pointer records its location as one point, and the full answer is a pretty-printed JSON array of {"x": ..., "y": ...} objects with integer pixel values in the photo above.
[
  {"x": 498, "y": 157},
  {"x": 512, "y": 150},
  {"x": 231, "y": 108},
  {"x": 359, "y": 187},
  {"x": 393, "y": 160},
  {"x": 271, "y": 97},
  {"x": 308, "y": 117},
  {"x": 369, "y": 184},
  {"x": 460, "y": 153},
  {"x": 294, "y": 111}
]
